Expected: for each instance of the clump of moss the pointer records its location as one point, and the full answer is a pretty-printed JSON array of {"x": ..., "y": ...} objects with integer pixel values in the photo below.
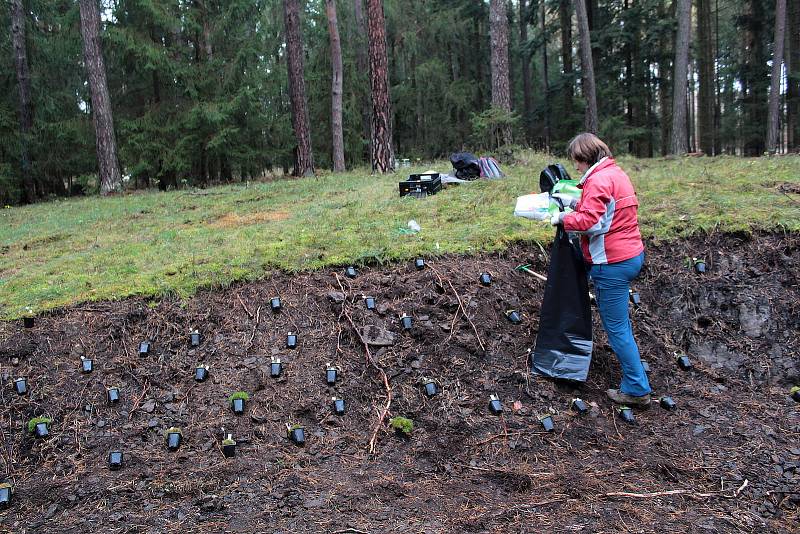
[
  {"x": 402, "y": 424},
  {"x": 228, "y": 441},
  {"x": 239, "y": 395},
  {"x": 36, "y": 420},
  {"x": 174, "y": 430}
]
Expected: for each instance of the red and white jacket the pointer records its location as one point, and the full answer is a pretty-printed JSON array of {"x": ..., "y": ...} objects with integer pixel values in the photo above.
[{"x": 605, "y": 215}]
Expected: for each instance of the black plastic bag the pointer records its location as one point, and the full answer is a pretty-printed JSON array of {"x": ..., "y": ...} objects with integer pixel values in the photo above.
[
  {"x": 564, "y": 343},
  {"x": 551, "y": 175},
  {"x": 466, "y": 165}
]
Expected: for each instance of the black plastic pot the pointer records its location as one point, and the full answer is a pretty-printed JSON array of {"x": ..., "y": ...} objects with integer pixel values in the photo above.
[
  {"x": 406, "y": 322},
  {"x": 194, "y": 339},
  {"x": 41, "y": 430},
  {"x": 667, "y": 403},
  {"x": 112, "y": 395},
  {"x": 547, "y": 423},
  {"x": 275, "y": 304},
  {"x": 229, "y": 450},
  {"x": 350, "y": 272},
  {"x": 485, "y": 279},
  {"x": 419, "y": 263},
  {"x": 338, "y": 406},
  {"x": 699, "y": 266},
  {"x": 144, "y": 348},
  {"x": 514, "y": 316},
  {"x": 291, "y": 341},
  {"x": 87, "y": 366},
  {"x": 115, "y": 459},
  {"x": 626, "y": 414},
  {"x": 331, "y": 375},
  {"x": 495, "y": 406},
  {"x": 174, "y": 440},
  {"x": 684, "y": 362},
  {"x": 275, "y": 369},
  {"x": 238, "y": 406},
  {"x": 6, "y": 494},
  {"x": 795, "y": 391},
  {"x": 579, "y": 406},
  {"x": 646, "y": 366},
  {"x": 200, "y": 374},
  {"x": 635, "y": 298},
  {"x": 298, "y": 436},
  {"x": 21, "y": 386},
  {"x": 431, "y": 389},
  {"x": 27, "y": 322},
  {"x": 369, "y": 302}
]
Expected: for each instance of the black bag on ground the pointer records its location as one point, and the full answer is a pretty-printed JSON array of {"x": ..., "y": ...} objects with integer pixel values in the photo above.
[
  {"x": 466, "y": 165},
  {"x": 564, "y": 342}
]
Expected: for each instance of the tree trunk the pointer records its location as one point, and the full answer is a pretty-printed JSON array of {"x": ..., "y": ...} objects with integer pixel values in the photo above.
[
  {"x": 591, "y": 122},
  {"x": 565, "y": 18},
  {"x": 382, "y": 155},
  {"x": 25, "y": 106},
  {"x": 362, "y": 63},
  {"x": 545, "y": 81},
  {"x": 793, "y": 78},
  {"x": 336, "y": 87},
  {"x": 679, "y": 143},
  {"x": 304, "y": 158},
  {"x": 110, "y": 177},
  {"x": 498, "y": 36},
  {"x": 773, "y": 122},
  {"x": 706, "y": 78},
  {"x": 526, "y": 68}
]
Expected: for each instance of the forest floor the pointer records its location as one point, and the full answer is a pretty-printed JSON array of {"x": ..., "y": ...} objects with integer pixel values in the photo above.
[
  {"x": 727, "y": 460},
  {"x": 154, "y": 244}
]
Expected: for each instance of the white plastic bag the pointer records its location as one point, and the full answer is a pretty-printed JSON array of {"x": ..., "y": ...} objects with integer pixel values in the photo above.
[{"x": 536, "y": 207}]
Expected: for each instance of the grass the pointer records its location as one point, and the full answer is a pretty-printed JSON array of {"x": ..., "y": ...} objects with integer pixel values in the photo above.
[{"x": 172, "y": 244}]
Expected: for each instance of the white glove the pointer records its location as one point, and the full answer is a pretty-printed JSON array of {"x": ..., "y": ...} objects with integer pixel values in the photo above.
[
  {"x": 555, "y": 220},
  {"x": 567, "y": 201}
]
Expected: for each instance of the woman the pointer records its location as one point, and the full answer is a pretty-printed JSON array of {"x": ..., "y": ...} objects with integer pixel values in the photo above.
[{"x": 605, "y": 216}]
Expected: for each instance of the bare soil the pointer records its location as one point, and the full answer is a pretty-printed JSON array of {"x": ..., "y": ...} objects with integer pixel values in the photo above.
[{"x": 727, "y": 460}]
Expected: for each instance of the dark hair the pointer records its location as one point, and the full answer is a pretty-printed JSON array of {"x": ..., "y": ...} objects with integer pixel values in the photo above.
[{"x": 587, "y": 148}]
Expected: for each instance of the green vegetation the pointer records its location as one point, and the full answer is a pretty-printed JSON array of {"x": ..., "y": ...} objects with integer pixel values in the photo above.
[
  {"x": 239, "y": 395},
  {"x": 228, "y": 441},
  {"x": 171, "y": 244},
  {"x": 402, "y": 424},
  {"x": 174, "y": 430},
  {"x": 36, "y": 420}
]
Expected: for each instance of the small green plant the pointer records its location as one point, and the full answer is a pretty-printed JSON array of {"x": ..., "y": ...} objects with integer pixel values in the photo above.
[
  {"x": 174, "y": 430},
  {"x": 402, "y": 424},
  {"x": 36, "y": 420},
  {"x": 294, "y": 427},
  {"x": 228, "y": 441},
  {"x": 239, "y": 395}
]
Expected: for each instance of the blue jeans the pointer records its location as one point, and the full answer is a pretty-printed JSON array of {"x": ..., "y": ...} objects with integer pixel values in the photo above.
[{"x": 612, "y": 284}]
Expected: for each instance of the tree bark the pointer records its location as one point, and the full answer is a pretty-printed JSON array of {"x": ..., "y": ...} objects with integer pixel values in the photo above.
[
  {"x": 706, "y": 78},
  {"x": 498, "y": 36},
  {"x": 382, "y": 155},
  {"x": 679, "y": 142},
  {"x": 526, "y": 68},
  {"x": 304, "y": 158},
  {"x": 336, "y": 87},
  {"x": 773, "y": 122},
  {"x": 591, "y": 122},
  {"x": 545, "y": 81},
  {"x": 110, "y": 177},
  {"x": 793, "y": 78},
  {"x": 565, "y": 18},
  {"x": 25, "y": 106},
  {"x": 362, "y": 63}
]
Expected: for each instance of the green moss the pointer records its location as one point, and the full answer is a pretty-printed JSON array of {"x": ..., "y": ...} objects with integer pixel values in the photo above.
[
  {"x": 155, "y": 244},
  {"x": 228, "y": 441},
  {"x": 174, "y": 430},
  {"x": 239, "y": 395},
  {"x": 402, "y": 424},
  {"x": 35, "y": 421}
]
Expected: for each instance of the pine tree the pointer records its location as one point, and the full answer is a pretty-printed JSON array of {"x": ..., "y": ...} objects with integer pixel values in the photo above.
[
  {"x": 591, "y": 122},
  {"x": 336, "y": 89},
  {"x": 706, "y": 78},
  {"x": 501, "y": 93},
  {"x": 24, "y": 82},
  {"x": 773, "y": 125},
  {"x": 679, "y": 140},
  {"x": 110, "y": 177},
  {"x": 382, "y": 153},
  {"x": 304, "y": 157}
]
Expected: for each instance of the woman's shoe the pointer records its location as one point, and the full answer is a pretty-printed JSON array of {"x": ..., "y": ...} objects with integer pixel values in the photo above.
[{"x": 623, "y": 398}]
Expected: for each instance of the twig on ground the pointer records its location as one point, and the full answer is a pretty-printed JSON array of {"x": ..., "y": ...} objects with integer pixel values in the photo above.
[
  {"x": 244, "y": 305},
  {"x": 461, "y": 307}
]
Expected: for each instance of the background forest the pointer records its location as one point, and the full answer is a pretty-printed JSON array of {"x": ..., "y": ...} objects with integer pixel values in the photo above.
[{"x": 200, "y": 92}]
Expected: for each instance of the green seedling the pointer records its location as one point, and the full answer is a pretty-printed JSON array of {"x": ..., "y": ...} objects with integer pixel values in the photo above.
[
  {"x": 37, "y": 420},
  {"x": 243, "y": 395}
]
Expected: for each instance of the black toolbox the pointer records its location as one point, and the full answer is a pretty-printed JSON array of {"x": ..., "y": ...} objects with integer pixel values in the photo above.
[{"x": 421, "y": 185}]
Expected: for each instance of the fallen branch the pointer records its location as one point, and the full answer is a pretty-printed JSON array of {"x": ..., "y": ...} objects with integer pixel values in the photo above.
[{"x": 656, "y": 494}]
